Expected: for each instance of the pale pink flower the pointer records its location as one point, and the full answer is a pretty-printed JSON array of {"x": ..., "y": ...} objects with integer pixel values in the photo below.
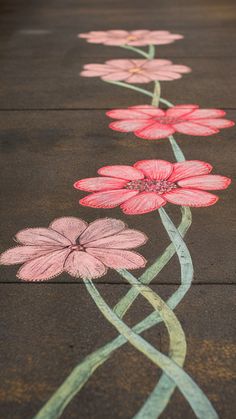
[
  {"x": 71, "y": 245},
  {"x": 151, "y": 123},
  {"x": 136, "y": 70},
  {"x": 150, "y": 184},
  {"x": 140, "y": 37}
]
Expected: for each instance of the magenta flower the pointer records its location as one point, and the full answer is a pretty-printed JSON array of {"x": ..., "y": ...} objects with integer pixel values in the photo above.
[
  {"x": 150, "y": 184},
  {"x": 134, "y": 38},
  {"x": 151, "y": 123},
  {"x": 73, "y": 246},
  {"x": 135, "y": 71}
]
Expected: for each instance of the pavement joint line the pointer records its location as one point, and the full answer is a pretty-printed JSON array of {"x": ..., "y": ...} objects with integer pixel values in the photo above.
[
  {"x": 112, "y": 283},
  {"x": 77, "y": 109}
]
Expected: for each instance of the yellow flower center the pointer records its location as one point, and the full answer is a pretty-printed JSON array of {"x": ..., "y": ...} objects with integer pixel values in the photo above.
[
  {"x": 135, "y": 70},
  {"x": 131, "y": 38}
]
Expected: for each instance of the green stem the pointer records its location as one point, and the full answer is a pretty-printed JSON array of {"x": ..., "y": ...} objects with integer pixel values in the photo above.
[
  {"x": 137, "y": 50},
  {"x": 160, "y": 396},
  {"x": 166, "y": 102},
  {"x": 198, "y": 401},
  {"x": 140, "y": 90},
  {"x": 83, "y": 371},
  {"x": 131, "y": 86},
  {"x": 151, "y": 52},
  {"x": 179, "y": 155},
  {"x": 156, "y": 94}
]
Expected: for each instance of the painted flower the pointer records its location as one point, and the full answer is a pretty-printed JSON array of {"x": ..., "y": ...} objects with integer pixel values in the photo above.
[
  {"x": 135, "y": 71},
  {"x": 71, "y": 245},
  {"x": 140, "y": 37},
  {"x": 151, "y": 123},
  {"x": 150, "y": 184}
]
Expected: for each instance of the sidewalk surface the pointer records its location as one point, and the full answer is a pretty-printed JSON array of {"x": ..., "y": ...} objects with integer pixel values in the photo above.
[{"x": 54, "y": 131}]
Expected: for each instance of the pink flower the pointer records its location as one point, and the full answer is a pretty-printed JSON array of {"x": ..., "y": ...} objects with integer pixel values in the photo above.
[
  {"x": 151, "y": 123},
  {"x": 134, "y": 38},
  {"x": 150, "y": 184},
  {"x": 135, "y": 71},
  {"x": 73, "y": 246}
]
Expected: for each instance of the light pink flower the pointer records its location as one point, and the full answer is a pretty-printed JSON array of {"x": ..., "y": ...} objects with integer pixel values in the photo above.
[
  {"x": 150, "y": 184},
  {"x": 135, "y": 71},
  {"x": 151, "y": 123},
  {"x": 73, "y": 246},
  {"x": 140, "y": 37}
]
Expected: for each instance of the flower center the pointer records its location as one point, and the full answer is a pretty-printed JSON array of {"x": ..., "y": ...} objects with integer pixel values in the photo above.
[
  {"x": 76, "y": 247},
  {"x": 167, "y": 120},
  {"x": 151, "y": 185},
  {"x": 135, "y": 70},
  {"x": 131, "y": 38}
]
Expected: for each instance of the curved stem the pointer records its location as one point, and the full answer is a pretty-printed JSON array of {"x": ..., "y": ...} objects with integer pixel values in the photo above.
[
  {"x": 82, "y": 372},
  {"x": 160, "y": 396},
  {"x": 139, "y": 90},
  {"x": 179, "y": 155},
  {"x": 131, "y": 86},
  {"x": 135, "y": 49},
  {"x": 198, "y": 401},
  {"x": 166, "y": 102}
]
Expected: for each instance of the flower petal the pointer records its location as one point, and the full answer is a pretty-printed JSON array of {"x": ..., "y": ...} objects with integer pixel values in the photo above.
[
  {"x": 156, "y": 64},
  {"x": 178, "y": 68},
  {"x": 21, "y": 254},
  {"x": 41, "y": 236},
  {"x": 143, "y": 203},
  {"x": 101, "y": 228},
  {"x": 107, "y": 199},
  {"x": 44, "y": 267},
  {"x": 130, "y": 125},
  {"x": 100, "y": 184},
  {"x": 189, "y": 168},
  {"x": 136, "y": 112},
  {"x": 215, "y": 123},
  {"x": 155, "y": 131},
  {"x": 92, "y": 73},
  {"x": 116, "y": 75},
  {"x": 165, "y": 75},
  {"x": 92, "y": 33},
  {"x": 138, "y": 78},
  {"x": 127, "y": 239},
  {"x": 117, "y": 33},
  {"x": 207, "y": 113},
  {"x": 125, "y": 114},
  {"x": 209, "y": 182},
  {"x": 193, "y": 128},
  {"x": 149, "y": 110},
  {"x": 155, "y": 169},
  {"x": 121, "y": 64},
  {"x": 83, "y": 265},
  {"x": 69, "y": 227},
  {"x": 179, "y": 111},
  {"x": 118, "y": 259},
  {"x": 121, "y": 172},
  {"x": 191, "y": 198},
  {"x": 140, "y": 32},
  {"x": 97, "y": 67}
]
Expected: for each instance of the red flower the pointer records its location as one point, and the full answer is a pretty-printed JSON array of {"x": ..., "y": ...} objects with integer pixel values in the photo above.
[
  {"x": 151, "y": 123},
  {"x": 150, "y": 184}
]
